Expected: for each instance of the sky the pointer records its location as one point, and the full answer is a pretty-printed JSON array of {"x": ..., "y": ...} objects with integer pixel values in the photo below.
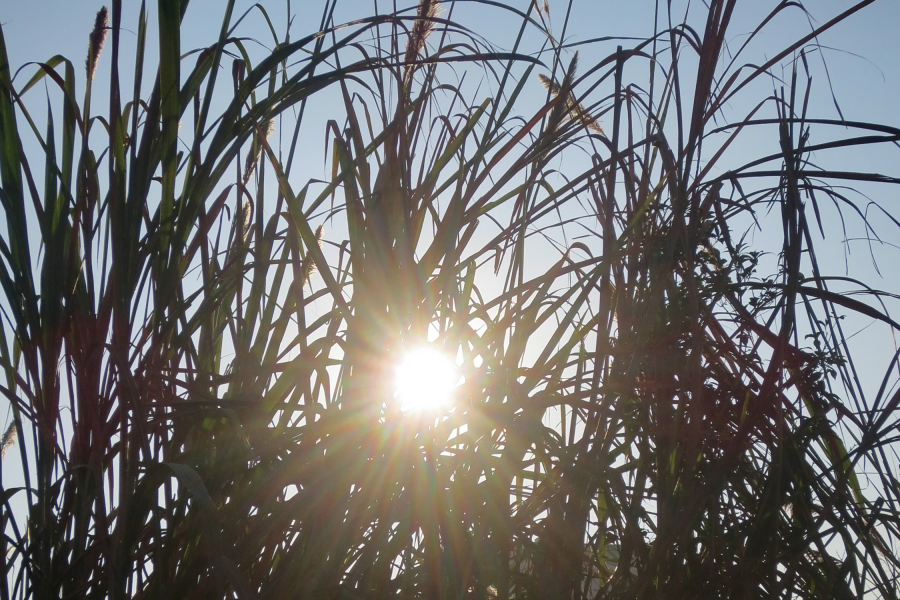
[
  {"x": 861, "y": 53},
  {"x": 861, "y": 57}
]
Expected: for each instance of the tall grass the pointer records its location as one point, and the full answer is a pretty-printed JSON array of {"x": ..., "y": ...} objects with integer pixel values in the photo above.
[{"x": 198, "y": 342}]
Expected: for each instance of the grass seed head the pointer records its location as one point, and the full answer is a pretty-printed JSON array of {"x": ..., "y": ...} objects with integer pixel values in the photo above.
[
  {"x": 97, "y": 39},
  {"x": 422, "y": 28},
  {"x": 253, "y": 156},
  {"x": 9, "y": 439},
  {"x": 573, "y": 110},
  {"x": 243, "y": 224},
  {"x": 308, "y": 267}
]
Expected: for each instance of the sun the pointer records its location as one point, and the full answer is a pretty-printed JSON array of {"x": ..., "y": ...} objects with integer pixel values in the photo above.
[{"x": 425, "y": 379}]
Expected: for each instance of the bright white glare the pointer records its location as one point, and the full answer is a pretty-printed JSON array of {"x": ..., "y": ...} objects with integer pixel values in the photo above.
[{"x": 425, "y": 380}]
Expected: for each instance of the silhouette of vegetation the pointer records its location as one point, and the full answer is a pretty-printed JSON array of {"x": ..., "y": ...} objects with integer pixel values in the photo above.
[{"x": 199, "y": 337}]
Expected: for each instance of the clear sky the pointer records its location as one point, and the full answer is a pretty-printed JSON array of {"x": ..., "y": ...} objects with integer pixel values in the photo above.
[
  {"x": 862, "y": 54},
  {"x": 870, "y": 82}
]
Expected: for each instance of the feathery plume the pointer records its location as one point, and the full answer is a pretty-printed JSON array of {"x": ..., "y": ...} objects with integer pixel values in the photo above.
[
  {"x": 572, "y": 109},
  {"x": 253, "y": 156},
  {"x": 241, "y": 231},
  {"x": 308, "y": 266},
  {"x": 422, "y": 28},
  {"x": 9, "y": 439},
  {"x": 97, "y": 39},
  {"x": 243, "y": 221}
]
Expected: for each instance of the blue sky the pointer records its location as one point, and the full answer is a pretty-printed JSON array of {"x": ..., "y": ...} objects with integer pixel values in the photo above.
[
  {"x": 870, "y": 82},
  {"x": 861, "y": 54}
]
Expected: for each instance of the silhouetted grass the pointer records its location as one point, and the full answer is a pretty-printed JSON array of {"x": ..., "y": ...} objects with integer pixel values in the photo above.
[{"x": 198, "y": 359}]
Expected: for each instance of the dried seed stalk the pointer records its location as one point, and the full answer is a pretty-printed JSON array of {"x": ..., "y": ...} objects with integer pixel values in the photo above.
[
  {"x": 97, "y": 39},
  {"x": 243, "y": 221},
  {"x": 253, "y": 156},
  {"x": 9, "y": 439},
  {"x": 572, "y": 109},
  {"x": 308, "y": 266},
  {"x": 422, "y": 28}
]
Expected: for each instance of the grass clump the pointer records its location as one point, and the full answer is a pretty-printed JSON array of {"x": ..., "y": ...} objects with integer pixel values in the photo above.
[{"x": 198, "y": 359}]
